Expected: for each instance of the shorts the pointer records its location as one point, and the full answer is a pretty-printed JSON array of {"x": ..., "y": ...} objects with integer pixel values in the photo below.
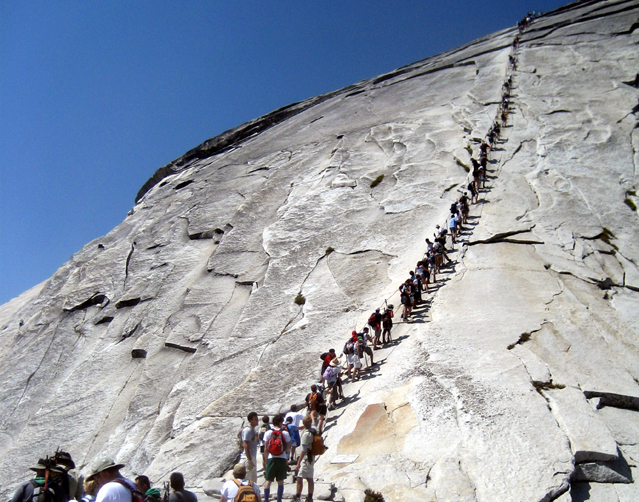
[
  {"x": 306, "y": 469},
  {"x": 355, "y": 361},
  {"x": 275, "y": 469},
  {"x": 251, "y": 474}
]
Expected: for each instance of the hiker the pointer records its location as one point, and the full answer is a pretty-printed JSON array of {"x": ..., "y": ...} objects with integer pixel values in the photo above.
[
  {"x": 354, "y": 363},
  {"x": 305, "y": 462},
  {"x": 452, "y": 226},
  {"x": 387, "y": 324},
  {"x": 333, "y": 383},
  {"x": 277, "y": 444},
  {"x": 364, "y": 339},
  {"x": 465, "y": 209},
  {"x": 143, "y": 484},
  {"x": 47, "y": 473},
  {"x": 296, "y": 415},
  {"x": 75, "y": 480},
  {"x": 432, "y": 265},
  {"x": 266, "y": 426},
  {"x": 179, "y": 494},
  {"x": 91, "y": 490},
  {"x": 293, "y": 431},
  {"x": 375, "y": 322},
  {"x": 440, "y": 253},
  {"x": 473, "y": 192},
  {"x": 231, "y": 488},
  {"x": 421, "y": 271},
  {"x": 316, "y": 405},
  {"x": 112, "y": 486},
  {"x": 417, "y": 289},
  {"x": 405, "y": 291},
  {"x": 327, "y": 357},
  {"x": 250, "y": 439}
]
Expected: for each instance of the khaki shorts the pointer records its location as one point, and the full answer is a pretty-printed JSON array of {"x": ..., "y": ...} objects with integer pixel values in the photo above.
[{"x": 306, "y": 469}]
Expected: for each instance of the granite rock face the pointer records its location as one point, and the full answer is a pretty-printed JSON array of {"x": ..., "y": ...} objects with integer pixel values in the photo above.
[{"x": 520, "y": 382}]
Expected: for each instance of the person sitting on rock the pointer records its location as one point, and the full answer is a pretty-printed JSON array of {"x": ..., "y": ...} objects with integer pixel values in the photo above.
[{"x": 231, "y": 488}]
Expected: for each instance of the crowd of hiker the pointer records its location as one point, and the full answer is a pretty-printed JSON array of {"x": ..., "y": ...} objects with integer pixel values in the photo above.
[{"x": 287, "y": 443}]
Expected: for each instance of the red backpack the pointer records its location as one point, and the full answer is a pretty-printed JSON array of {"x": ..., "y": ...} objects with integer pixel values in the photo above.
[{"x": 276, "y": 443}]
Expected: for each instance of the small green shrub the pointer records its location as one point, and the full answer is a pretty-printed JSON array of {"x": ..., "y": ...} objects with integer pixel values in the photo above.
[
  {"x": 377, "y": 181},
  {"x": 460, "y": 163},
  {"x": 451, "y": 187},
  {"x": 522, "y": 339},
  {"x": 469, "y": 149},
  {"x": 631, "y": 192},
  {"x": 300, "y": 300},
  {"x": 329, "y": 250},
  {"x": 630, "y": 203}
]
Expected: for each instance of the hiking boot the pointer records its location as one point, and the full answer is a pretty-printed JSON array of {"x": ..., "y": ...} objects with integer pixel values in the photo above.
[{"x": 309, "y": 498}]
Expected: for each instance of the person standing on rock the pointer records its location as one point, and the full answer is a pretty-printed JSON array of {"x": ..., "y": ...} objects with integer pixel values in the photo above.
[
  {"x": 366, "y": 337},
  {"x": 231, "y": 488},
  {"x": 75, "y": 479},
  {"x": 277, "y": 443},
  {"x": 250, "y": 439},
  {"x": 387, "y": 324},
  {"x": 316, "y": 404},
  {"x": 305, "y": 462},
  {"x": 326, "y": 360},
  {"x": 375, "y": 322},
  {"x": 178, "y": 493},
  {"x": 44, "y": 486},
  {"x": 113, "y": 487}
]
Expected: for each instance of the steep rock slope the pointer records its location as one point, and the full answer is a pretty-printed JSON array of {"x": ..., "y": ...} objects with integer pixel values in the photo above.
[{"x": 152, "y": 342}]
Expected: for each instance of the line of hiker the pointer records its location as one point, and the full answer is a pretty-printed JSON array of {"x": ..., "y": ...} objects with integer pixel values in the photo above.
[
  {"x": 57, "y": 480},
  {"x": 277, "y": 440}
]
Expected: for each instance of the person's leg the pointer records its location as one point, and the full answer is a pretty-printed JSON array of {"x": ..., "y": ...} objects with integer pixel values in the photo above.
[
  {"x": 311, "y": 489},
  {"x": 267, "y": 490},
  {"x": 300, "y": 484},
  {"x": 280, "y": 490}
]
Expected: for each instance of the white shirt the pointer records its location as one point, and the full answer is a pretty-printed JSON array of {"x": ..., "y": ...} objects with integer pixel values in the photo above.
[
  {"x": 115, "y": 492},
  {"x": 296, "y": 416},
  {"x": 230, "y": 489},
  {"x": 287, "y": 439}
]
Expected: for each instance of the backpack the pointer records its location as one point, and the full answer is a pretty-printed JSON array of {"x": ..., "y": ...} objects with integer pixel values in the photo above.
[
  {"x": 328, "y": 374},
  {"x": 317, "y": 448},
  {"x": 372, "y": 320},
  {"x": 136, "y": 496},
  {"x": 276, "y": 443},
  {"x": 245, "y": 493},
  {"x": 238, "y": 439},
  {"x": 313, "y": 401},
  {"x": 348, "y": 348},
  {"x": 42, "y": 495}
]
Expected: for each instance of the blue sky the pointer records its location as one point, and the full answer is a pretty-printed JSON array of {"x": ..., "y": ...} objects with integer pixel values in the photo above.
[{"x": 95, "y": 96}]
